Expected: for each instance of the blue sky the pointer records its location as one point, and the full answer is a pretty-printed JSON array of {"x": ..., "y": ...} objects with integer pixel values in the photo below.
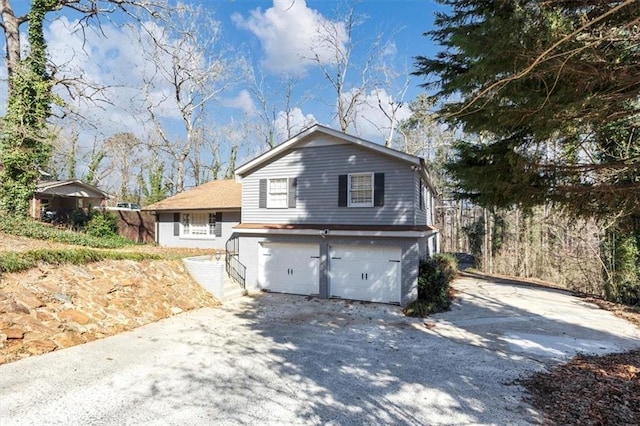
[
  {"x": 272, "y": 37},
  {"x": 401, "y": 22}
]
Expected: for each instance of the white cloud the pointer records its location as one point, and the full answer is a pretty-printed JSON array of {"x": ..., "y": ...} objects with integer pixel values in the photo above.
[
  {"x": 297, "y": 122},
  {"x": 291, "y": 34},
  {"x": 390, "y": 50},
  {"x": 242, "y": 101},
  {"x": 370, "y": 119}
]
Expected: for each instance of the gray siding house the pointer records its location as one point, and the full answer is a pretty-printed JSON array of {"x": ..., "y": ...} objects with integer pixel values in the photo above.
[
  {"x": 201, "y": 217},
  {"x": 333, "y": 215}
]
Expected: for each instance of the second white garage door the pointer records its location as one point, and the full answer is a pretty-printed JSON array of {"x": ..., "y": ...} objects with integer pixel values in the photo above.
[
  {"x": 289, "y": 268},
  {"x": 365, "y": 273}
]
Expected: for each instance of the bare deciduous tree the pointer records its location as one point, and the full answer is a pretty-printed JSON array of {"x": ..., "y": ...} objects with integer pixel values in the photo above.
[
  {"x": 125, "y": 151},
  {"x": 332, "y": 51},
  {"x": 90, "y": 9},
  {"x": 190, "y": 70}
]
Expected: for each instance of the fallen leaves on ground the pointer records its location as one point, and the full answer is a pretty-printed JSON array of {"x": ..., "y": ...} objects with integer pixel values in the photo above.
[{"x": 589, "y": 390}]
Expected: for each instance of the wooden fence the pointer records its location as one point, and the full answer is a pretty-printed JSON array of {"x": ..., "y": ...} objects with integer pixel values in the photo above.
[{"x": 136, "y": 225}]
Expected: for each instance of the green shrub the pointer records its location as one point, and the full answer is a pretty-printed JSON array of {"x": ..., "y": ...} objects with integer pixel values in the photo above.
[
  {"x": 25, "y": 227},
  {"x": 14, "y": 262},
  {"x": 20, "y": 261},
  {"x": 421, "y": 308},
  {"x": 79, "y": 218},
  {"x": 102, "y": 224},
  {"x": 434, "y": 275}
]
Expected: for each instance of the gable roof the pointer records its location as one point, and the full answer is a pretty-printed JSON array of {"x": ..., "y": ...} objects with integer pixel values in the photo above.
[
  {"x": 214, "y": 195},
  {"x": 300, "y": 138},
  {"x": 70, "y": 188}
]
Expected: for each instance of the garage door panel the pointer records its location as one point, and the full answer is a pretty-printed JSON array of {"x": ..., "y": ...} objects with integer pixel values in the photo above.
[
  {"x": 365, "y": 273},
  {"x": 289, "y": 268}
]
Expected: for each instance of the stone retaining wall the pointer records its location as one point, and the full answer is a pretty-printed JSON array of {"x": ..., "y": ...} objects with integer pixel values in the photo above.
[{"x": 53, "y": 307}]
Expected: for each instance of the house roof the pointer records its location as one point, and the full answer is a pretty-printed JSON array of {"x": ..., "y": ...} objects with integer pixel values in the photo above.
[
  {"x": 70, "y": 188},
  {"x": 214, "y": 195},
  {"x": 301, "y": 137}
]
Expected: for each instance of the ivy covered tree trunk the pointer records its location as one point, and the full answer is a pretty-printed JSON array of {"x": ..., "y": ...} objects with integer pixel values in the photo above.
[{"x": 26, "y": 142}]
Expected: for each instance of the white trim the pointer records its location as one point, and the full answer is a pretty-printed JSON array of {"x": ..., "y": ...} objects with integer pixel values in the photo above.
[{"x": 337, "y": 233}]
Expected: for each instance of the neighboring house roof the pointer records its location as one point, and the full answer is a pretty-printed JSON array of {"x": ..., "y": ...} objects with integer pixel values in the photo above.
[
  {"x": 214, "y": 195},
  {"x": 70, "y": 188},
  {"x": 301, "y": 138}
]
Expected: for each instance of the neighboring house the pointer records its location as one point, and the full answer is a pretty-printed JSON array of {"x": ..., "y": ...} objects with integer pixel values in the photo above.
[
  {"x": 201, "y": 217},
  {"x": 64, "y": 196},
  {"x": 330, "y": 214}
]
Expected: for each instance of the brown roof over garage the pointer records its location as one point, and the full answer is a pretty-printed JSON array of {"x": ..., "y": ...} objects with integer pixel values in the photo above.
[
  {"x": 332, "y": 227},
  {"x": 214, "y": 195}
]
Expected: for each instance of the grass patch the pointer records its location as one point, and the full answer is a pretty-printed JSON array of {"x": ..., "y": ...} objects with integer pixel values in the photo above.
[
  {"x": 434, "y": 294},
  {"x": 25, "y": 227},
  {"x": 16, "y": 262}
]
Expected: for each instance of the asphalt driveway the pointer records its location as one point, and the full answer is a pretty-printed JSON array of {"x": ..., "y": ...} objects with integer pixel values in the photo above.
[{"x": 276, "y": 359}]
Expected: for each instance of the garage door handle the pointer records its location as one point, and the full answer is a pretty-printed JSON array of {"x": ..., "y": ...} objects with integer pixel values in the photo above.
[
  {"x": 315, "y": 257},
  {"x": 395, "y": 261},
  {"x": 336, "y": 258}
]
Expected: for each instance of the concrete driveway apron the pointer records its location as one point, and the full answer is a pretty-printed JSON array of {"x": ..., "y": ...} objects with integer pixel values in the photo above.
[{"x": 278, "y": 359}]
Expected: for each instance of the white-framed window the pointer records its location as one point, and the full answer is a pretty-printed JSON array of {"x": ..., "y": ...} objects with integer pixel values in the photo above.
[
  {"x": 360, "y": 190},
  {"x": 198, "y": 225},
  {"x": 277, "y": 193}
]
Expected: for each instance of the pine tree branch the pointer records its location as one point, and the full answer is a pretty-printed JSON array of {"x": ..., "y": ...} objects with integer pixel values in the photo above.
[{"x": 542, "y": 57}]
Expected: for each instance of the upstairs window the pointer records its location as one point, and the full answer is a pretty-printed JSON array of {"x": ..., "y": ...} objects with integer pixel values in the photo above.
[
  {"x": 360, "y": 190},
  {"x": 277, "y": 195}
]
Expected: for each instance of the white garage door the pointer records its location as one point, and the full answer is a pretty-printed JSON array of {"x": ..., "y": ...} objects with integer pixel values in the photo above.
[
  {"x": 365, "y": 273},
  {"x": 289, "y": 268}
]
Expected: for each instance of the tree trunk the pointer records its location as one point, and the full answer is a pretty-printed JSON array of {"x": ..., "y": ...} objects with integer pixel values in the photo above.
[{"x": 11, "y": 28}]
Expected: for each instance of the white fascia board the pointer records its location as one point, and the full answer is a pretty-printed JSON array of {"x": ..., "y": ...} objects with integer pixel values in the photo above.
[{"x": 240, "y": 171}]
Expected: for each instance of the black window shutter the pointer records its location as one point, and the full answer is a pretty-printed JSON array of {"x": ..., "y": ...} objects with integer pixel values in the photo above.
[
  {"x": 176, "y": 224},
  {"x": 421, "y": 195},
  {"x": 378, "y": 189},
  {"x": 262, "y": 196},
  {"x": 293, "y": 183},
  {"x": 342, "y": 191},
  {"x": 218, "y": 227}
]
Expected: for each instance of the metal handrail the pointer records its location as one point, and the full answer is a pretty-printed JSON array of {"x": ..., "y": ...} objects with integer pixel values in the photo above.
[{"x": 235, "y": 269}]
